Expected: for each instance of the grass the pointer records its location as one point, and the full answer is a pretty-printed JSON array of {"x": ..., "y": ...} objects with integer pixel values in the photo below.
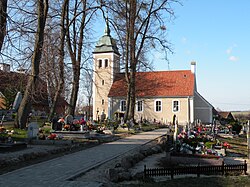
[
  {"x": 18, "y": 135},
  {"x": 219, "y": 181}
]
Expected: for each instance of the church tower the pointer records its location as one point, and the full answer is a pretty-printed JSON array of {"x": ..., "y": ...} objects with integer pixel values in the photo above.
[{"x": 106, "y": 65}]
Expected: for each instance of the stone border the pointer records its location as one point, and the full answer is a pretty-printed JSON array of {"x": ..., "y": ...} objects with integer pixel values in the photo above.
[{"x": 120, "y": 171}]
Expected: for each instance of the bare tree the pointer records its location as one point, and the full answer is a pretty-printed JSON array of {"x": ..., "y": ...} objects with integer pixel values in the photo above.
[
  {"x": 139, "y": 23},
  {"x": 88, "y": 90},
  {"x": 60, "y": 86},
  {"x": 77, "y": 21},
  {"x": 24, "y": 109},
  {"x": 3, "y": 21}
]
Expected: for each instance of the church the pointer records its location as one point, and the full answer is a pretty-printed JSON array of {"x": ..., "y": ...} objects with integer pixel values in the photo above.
[{"x": 159, "y": 94}]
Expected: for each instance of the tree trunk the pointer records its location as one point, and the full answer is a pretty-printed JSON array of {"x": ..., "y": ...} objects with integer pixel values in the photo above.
[
  {"x": 75, "y": 50},
  {"x": 3, "y": 21},
  {"x": 61, "y": 62},
  {"x": 25, "y": 105},
  {"x": 132, "y": 58},
  {"x": 74, "y": 92}
]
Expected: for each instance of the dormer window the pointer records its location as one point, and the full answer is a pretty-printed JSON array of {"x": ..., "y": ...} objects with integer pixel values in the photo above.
[
  {"x": 100, "y": 63},
  {"x": 106, "y": 63}
]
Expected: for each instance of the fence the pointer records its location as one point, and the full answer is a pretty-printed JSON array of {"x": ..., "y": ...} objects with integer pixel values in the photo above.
[{"x": 206, "y": 170}]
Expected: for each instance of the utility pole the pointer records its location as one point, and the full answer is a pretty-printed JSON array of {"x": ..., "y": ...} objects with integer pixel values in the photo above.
[{"x": 248, "y": 139}]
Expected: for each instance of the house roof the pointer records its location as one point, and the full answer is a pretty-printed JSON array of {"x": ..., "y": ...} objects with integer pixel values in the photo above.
[
  {"x": 156, "y": 84},
  {"x": 225, "y": 115}
]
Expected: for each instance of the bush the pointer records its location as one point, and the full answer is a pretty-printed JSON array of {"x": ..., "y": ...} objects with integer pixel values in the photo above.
[
  {"x": 236, "y": 127},
  {"x": 209, "y": 145}
]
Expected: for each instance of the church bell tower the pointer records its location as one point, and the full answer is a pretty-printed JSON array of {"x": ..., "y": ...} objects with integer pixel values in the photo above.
[{"x": 106, "y": 64}]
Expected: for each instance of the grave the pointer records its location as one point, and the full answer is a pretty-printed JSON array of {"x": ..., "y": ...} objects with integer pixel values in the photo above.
[
  {"x": 10, "y": 147},
  {"x": 33, "y": 130}
]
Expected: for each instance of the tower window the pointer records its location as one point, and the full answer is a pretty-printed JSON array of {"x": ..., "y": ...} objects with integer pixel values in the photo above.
[
  {"x": 100, "y": 64},
  {"x": 102, "y": 82},
  {"x": 106, "y": 63},
  {"x": 102, "y": 101}
]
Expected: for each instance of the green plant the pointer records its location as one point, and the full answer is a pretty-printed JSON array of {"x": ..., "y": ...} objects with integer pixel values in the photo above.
[
  {"x": 209, "y": 145},
  {"x": 236, "y": 127},
  {"x": 19, "y": 134}
]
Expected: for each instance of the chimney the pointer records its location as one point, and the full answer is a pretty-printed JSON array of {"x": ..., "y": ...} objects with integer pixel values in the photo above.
[
  {"x": 5, "y": 67},
  {"x": 193, "y": 67}
]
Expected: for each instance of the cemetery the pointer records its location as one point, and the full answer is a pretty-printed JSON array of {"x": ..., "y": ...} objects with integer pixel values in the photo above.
[{"x": 183, "y": 146}]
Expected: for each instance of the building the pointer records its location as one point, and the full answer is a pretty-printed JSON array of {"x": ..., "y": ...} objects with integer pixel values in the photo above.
[
  {"x": 226, "y": 117},
  {"x": 13, "y": 82},
  {"x": 160, "y": 95}
]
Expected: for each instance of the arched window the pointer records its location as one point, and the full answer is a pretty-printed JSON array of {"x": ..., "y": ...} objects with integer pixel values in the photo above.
[
  {"x": 106, "y": 63},
  {"x": 100, "y": 63}
]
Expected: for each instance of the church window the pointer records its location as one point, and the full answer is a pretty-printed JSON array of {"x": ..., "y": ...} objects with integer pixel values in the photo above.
[
  {"x": 100, "y": 63},
  {"x": 139, "y": 106},
  {"x": 176, "y": 106},
  {"x": 158, "y": 106},
  {"x": 123, "y": 105},
  {"x": 106, "y": 63},
  {"x": 102, "y": 82},
  {"x": 102, "y": 101}
]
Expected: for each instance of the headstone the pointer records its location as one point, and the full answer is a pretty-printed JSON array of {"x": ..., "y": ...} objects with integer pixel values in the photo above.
[
  {"x": 69, "y": 119},
  {"x": 17, "y": 101},
  {"x": 33, "y": 130}
]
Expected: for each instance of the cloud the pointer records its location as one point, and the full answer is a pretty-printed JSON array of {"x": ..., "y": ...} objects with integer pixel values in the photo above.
[
  {"x": 229, "y": 51},
  {"x": 230, "y": 54},
  {"x": 184, "y": 40},
  {"x": 233, "y": 58}
]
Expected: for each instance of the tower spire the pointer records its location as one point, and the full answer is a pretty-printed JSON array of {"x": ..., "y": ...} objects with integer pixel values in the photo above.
[{"x": 107, "y": 29}]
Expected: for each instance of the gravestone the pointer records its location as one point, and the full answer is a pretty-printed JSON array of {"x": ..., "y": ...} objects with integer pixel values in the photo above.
[
  {"x": 69, "y": 119},
  {"x": 33, "y": 130},
  {"x": 17, "y": 101}
]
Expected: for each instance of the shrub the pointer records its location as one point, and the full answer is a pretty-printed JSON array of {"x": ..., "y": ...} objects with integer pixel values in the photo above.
[{"x": 236, "y": 127}]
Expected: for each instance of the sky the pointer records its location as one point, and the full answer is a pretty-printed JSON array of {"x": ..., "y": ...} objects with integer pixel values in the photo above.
[{"x": 216, "y": 35}]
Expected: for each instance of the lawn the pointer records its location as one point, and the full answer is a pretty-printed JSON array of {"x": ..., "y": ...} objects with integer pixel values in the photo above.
[{"x": 220, "y": 181}]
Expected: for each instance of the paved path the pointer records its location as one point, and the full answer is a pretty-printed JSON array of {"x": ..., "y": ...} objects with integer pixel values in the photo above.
[{"x": 57, "y": 172}]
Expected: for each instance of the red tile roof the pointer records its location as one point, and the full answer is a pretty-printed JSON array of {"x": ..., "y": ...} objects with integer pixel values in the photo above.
[{"x": 155, "y": 84}]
